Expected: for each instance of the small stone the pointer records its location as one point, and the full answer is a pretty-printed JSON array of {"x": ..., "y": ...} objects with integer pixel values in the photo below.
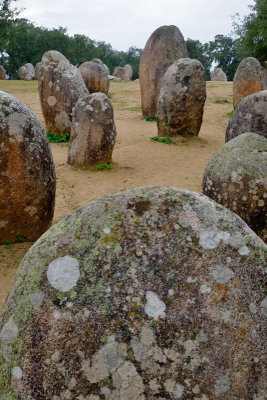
[{"x": 218, "y": 75}]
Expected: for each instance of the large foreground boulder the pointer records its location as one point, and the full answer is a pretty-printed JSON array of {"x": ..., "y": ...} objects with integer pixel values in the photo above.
[
  {"x": 2, "y": 73},
  {"x": 93, "y": 131},
  {"x": 182, "y": 98},
  {"x": 219, "y": 75},
  {"x": 236, "y": 178},
  {"x": 26, "y": 72},
  {"x": 248, "y": 79},
  {"x": 60, "y": 86},
  {"x": 163, "y": 48},
  {"x": 100, "y": 62},
  {"x": 95, "y": 77},
  {"x": 27, "y": 174},
  {"x": 249, "y": 116},
  {"x": 153, "y": 293}
]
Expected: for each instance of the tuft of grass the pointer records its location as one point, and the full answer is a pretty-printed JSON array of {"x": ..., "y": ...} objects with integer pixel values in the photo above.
[
  {"x": 166, "y": 121},
  {"x": 230, "y": 113},
  {"x": 102, "y": 167},
  {"x": 151, "y": 118},
  {"x": 54, "y": 138},
  {"x": 166, "y": 140}
]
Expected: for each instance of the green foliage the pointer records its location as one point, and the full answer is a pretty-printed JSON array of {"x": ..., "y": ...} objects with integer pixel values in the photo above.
[
  {"x": 224, "y": 50},
  {"x": 166, "y": 121},
  {"x": 151, "y": 118},
  {"x": 53, "y": 138},
  {"x": 103, "y": 166},
  {"x": 166, "y": 140},
  {"x": 230, "y": 113},
  {"x": 200, "y": 52}
]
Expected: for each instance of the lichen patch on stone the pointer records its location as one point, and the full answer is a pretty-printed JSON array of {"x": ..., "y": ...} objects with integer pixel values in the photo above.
[
  {"x": 154, "y": 307},
  {"x": 63, "y": 273}
]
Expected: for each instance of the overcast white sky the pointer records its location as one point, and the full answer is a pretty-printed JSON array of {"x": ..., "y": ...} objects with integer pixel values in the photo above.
[{"x": 125, "y": 23}]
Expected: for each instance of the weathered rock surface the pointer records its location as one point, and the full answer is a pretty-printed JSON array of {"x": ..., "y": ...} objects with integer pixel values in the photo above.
[
  {"x": 249, "y": 116},
  {"x": 60, "y": 86},
  {"x": 119, "y": 72},
  {"x": 248, "y": 79},
  {"x": 100, "y": 62},
  {"x": 236, "y": 178},
  {"x": 218, "y": 75},
  {"x": 26, "y": 72},
  {"x": 37, "y": 70},
  {"x": 93, "y": 131},
  {"x": 165, "y": 46},
  {"x": 2, "y": 73},
  {"x": 146, "y": 294},
  {"x": 128, "y": 72},
  {"x": 95, "y": 77},
  {"x": 182, "y": 98},
  {"x": 27, "y": 174}
]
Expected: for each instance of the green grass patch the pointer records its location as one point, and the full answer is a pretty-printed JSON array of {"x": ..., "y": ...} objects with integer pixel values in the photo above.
[
  {"x": 54, "y": 138},
  {"x": 151, "y": 118},
  {"x": 102, "y": 167},
  {"x": 166, "y": 140},
  {"x": 137, "y": 108},
  {"x": 230, "y": 113}
]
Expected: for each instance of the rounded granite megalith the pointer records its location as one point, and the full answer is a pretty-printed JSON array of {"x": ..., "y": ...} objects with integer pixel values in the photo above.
[
  {"x": 236, "y": 177},
  {"x": 98, "y": 61},
  {"x": 119, "y": 72},
  {"x": 219, "y": 75},
  {"x": 2, "y": 73},
  {"x": 249, "y": 116},
  {"x": 27, "y": 174},
  {"x": 152, "y": 293},
  {"x": 60, "y": 86},
  {"x": 248, "y": 79},
  {"x": 182, "y": 98},
  {"x": 163, "y": 48},
  {"x": 93, "y": 131},
  {"x": 26, "y": 72},
  {"x": 95, "y": 77}
]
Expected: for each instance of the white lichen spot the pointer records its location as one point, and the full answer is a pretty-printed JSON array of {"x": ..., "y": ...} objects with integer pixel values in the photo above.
[
  {"x": 253, "y": 308},
  {"x": 222, "y": 385},
  {"x": 16, "y": 123},
  {"x": 17, "y": 373},
  {"x": 3, "y": 223},
  {"x": 147, "y": 336},
  {"x": 243, "y": 251},
  {"x": 202, "y": 337},
  {"x": 225, "y": 315},
  {"x": 205, "y": 289},
  {"x": 222, "y": 274},
  {"x": 9, "y": 331},
  {"x": 154, "y": 307},
  {"x": 263, "y": 307},
  {"x": 37, "y": 299},
  {"x": 30, "y": 210},
  {"x": 174, "y": 389},
  {"x": 106, "y": 230},
  {"x": 170, "y": 292},
  {"x": 211, "y": 238},
  {"x": 51, "y": 100},
  {"x": 50, "y": 84},
  {"x": 63, "y": 273}
]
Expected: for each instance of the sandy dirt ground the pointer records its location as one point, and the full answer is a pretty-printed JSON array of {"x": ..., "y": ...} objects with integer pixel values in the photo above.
[{"x": 137, "y": 161}]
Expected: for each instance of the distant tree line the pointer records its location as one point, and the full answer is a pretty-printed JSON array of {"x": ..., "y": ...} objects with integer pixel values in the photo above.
[{"x": 22, "y": 42}]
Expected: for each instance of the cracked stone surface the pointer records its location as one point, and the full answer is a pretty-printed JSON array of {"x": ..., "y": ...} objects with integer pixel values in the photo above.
[{"x": 145, "y": 314}]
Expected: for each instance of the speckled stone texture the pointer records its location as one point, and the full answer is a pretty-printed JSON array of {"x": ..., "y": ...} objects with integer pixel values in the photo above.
[
  {"x": 249, "y": 116},
  {"x": 37, "y": 70},
  {"x": 236, "y": 177},
  {"x": 182, "y": 98},
  {"x": 153, "y": 293},
  {"x": 2, "y": 73},
  {"x": 26, "y": 72},
  {"x": 27, "y": 173},
  {"x": 119, "y": 72},
  {"x": 165, "y": 46},
  {"x": 60, "y": 86},
  {"x": 93, "y": 131},
  {"x": 248, "y": 79},
  {"x": 128, "y": 72},
  {"x": 219, "y": 75},
  {"x": 100, "y": 62},
  {"x": 95, "y": 77}
]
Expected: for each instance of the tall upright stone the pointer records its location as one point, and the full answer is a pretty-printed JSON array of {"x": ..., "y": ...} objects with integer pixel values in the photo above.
[
  {"x": 248, "y": 79},
  {"x": 95, "y": 77},
  {"x": 119, "y": 72},
  {"x": 93, "y": 131},
  {"x": 152, "y": 293},
  {"x": 163, "y": 48},
  {"x": 219, "y": 75},
  {"x": 60, "y": 86},
  {"x": 2, "y": 73},
  {"x": 182, "y": 98},
  {"x": 128, "y": 72},
  {"x": 27, "y": 173}
]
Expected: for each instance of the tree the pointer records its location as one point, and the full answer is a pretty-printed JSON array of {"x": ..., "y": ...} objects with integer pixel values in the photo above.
[
  {"x": 7, "y": 14},
  {"x": 252, "y": 32},
  {"x": 224, "y": 51},
  {"x": 200, "y": 52}
]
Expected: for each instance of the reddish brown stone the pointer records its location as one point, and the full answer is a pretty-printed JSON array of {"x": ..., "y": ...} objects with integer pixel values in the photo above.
[
  {"x": 95, "y": 77},
  {"x": 2, "y": 73}
]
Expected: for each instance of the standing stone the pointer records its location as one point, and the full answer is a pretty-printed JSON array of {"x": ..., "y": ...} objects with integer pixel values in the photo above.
[
  {"x": 146, "y": 294},
  {"x": 60, "y": 86},
  {"x": 248, "y": 79},
  {"x": 95, "y": 77},
  {"x": 128, "y": 72},
  {"x": 27, "y": 72},
  {"x": 27, "y": 173},
  {"x": 218, "y": 75},
  {"x": 182, "y": 98},
  {"x": 249, "y": 116},
  {"x": 98, "y": 61},
  {"x": 163, "y": 48},
  {"x": 2, "y": 73},
  {"x": 119, "y": 72},
  {"x": 236, "y": 178},
  {"x": 93, "y": 132}
]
